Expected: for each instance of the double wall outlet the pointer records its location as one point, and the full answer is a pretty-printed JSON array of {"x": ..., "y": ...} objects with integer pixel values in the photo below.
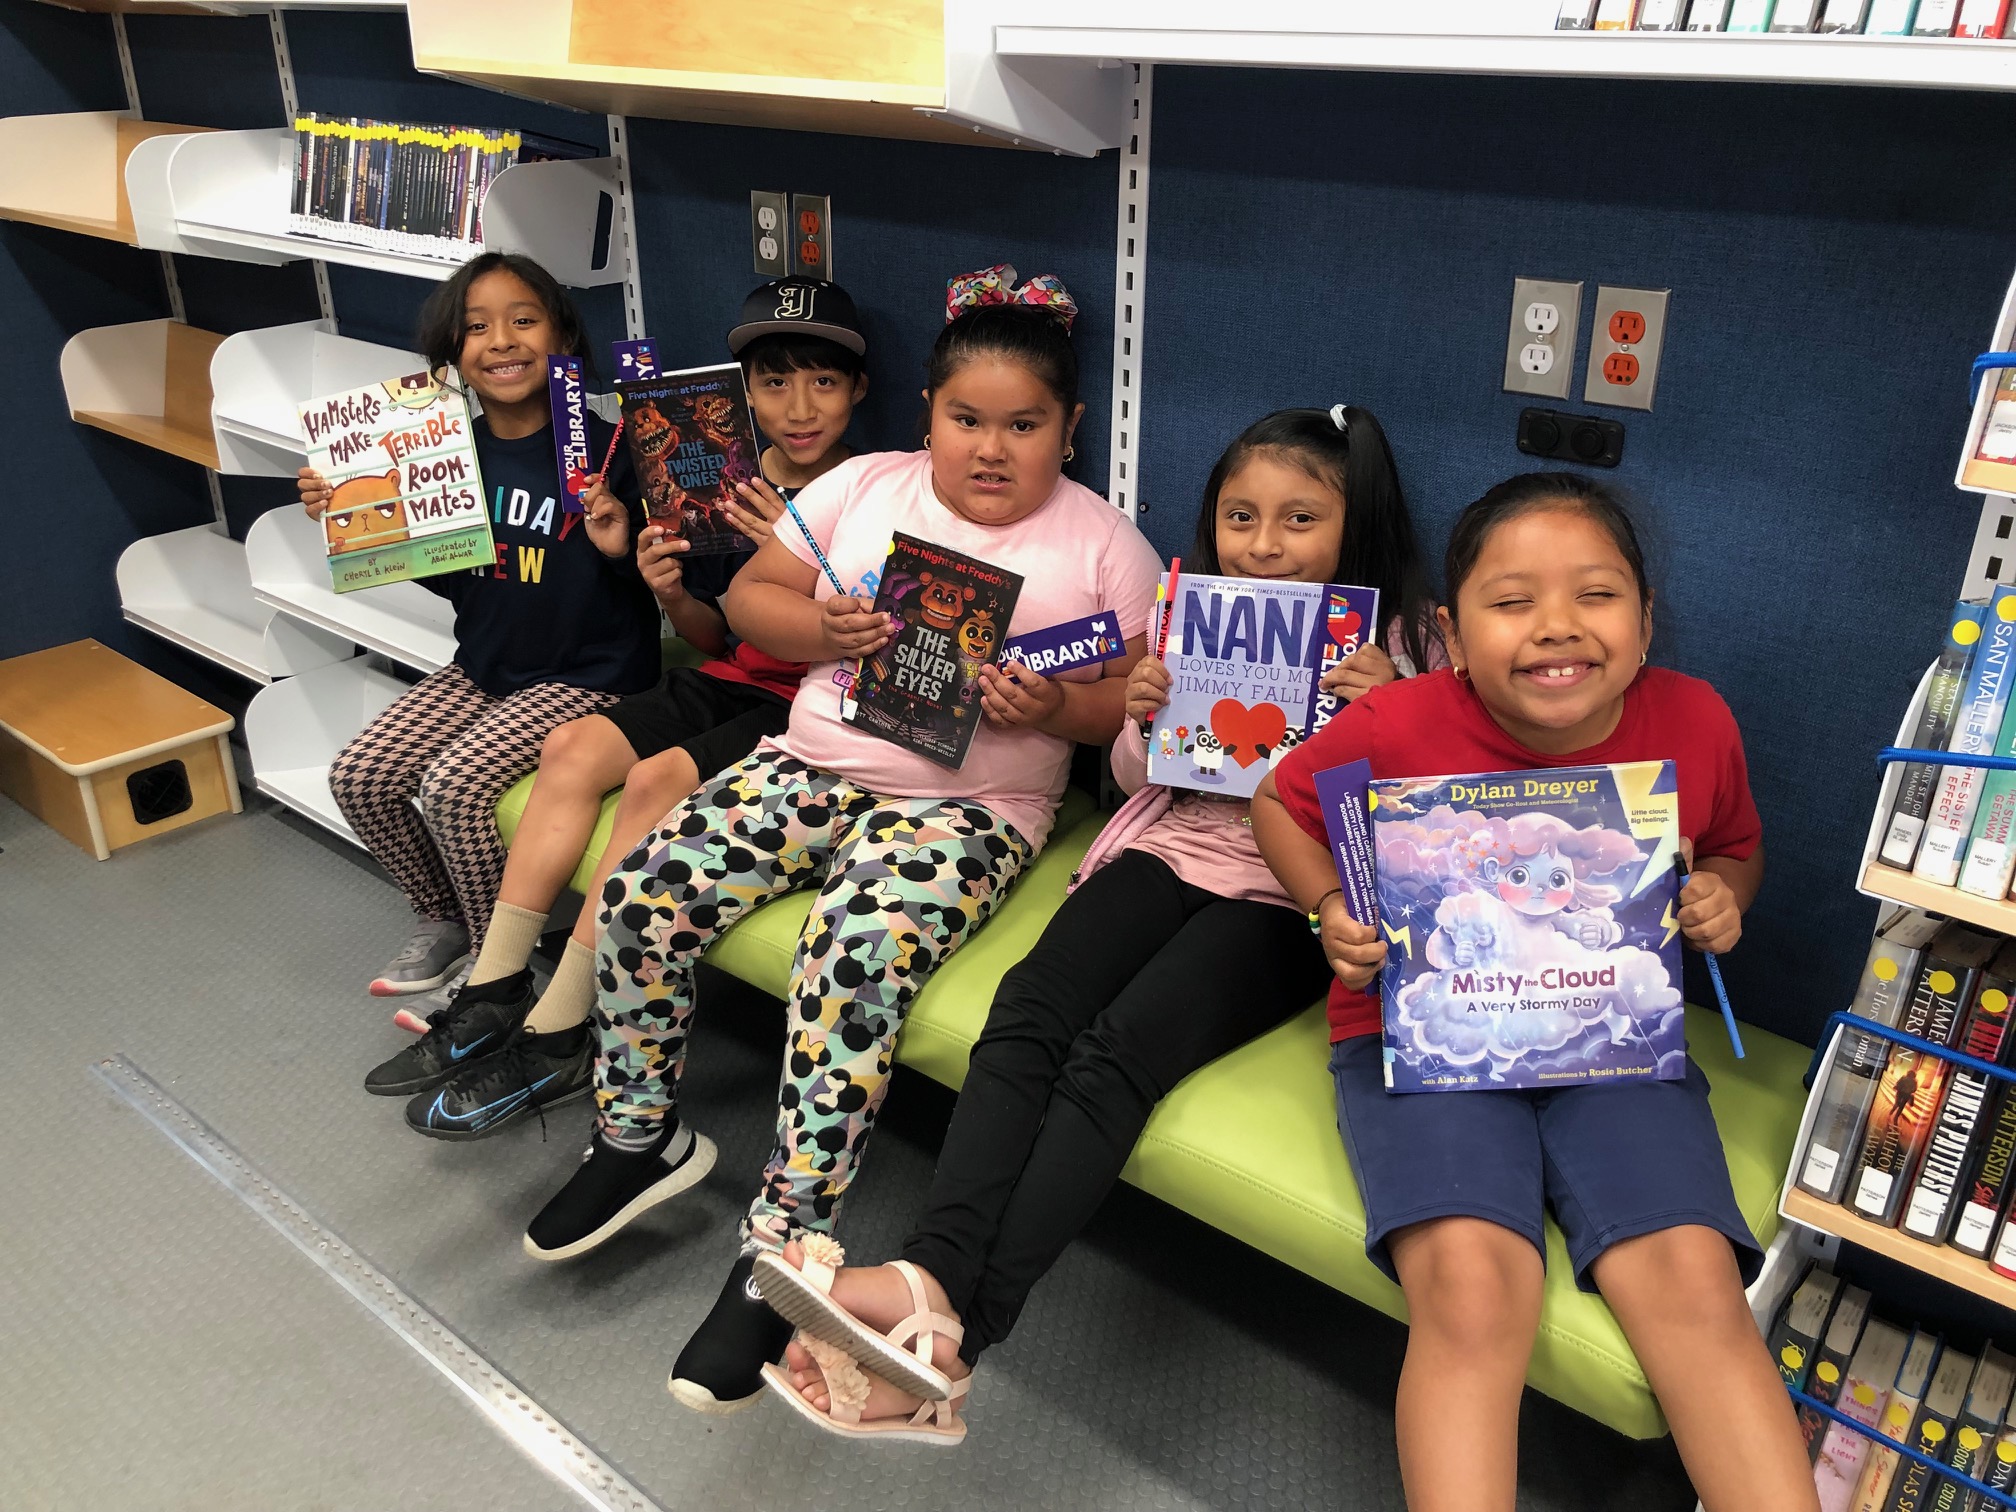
[
  {"x": 812, "y": 236},
  {"x": 1540, "y": 350},
  {"x": 770, "y": 232},
  {"x": 1624, "y": 352}
]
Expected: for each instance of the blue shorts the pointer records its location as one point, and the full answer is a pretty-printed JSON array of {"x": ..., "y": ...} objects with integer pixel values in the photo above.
[{"x": 1610, "y": 1162}]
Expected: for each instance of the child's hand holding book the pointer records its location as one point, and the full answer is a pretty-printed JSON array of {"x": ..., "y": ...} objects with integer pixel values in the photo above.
[
  {"x": 1360, "y": 672},
  {"x": 1147, "y": 689},
  {"x": 1355, "y": 951}
]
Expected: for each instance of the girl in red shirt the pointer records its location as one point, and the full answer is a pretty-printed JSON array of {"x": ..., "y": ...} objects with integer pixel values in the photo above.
[{"x": 1548, "y": 623}]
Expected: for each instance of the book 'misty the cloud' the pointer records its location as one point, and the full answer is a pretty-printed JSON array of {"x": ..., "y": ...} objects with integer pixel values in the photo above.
[{"x": 1530, "y": 921}]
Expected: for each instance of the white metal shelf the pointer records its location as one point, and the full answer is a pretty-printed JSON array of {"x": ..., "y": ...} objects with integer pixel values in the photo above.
[
  {"x": 295, "y": 727},
  {"x": 228, "y": 193},
  {"x": 192, "y": 587},
  {"x": 1481, "y": 37},
  {"x": 288, "y": 560},
  {"x": 148, "y": 380},
  {"x": 258, "y": 380}
]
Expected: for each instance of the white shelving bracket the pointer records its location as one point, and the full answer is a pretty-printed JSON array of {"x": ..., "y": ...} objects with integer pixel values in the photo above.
[
  {"x": 624, "y": 231},
  {"x": 169, "y": 280},
  {"x": 1130, "y": 287}
]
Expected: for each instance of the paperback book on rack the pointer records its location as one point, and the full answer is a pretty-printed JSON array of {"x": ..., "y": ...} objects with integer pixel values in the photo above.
[
  {"x": 1244, "y": 658},
  {"x": 950, "y": 613},
  {"x": 407, "y": 498},
  {"x": 413, "y": 189},
  {"x": 1920, "y": 780},
  {"x": 1976, "y": 722},
  {"x": 1530, "y": 926},
  {"x": 692, "y": 439}
]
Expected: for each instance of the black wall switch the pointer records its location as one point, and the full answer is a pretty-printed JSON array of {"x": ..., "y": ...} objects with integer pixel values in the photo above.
[{"x": 1588, "y": 439}]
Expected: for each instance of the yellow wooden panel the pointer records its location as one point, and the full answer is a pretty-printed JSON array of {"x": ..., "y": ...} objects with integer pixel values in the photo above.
[
  {"x": 208, "y": 795},
  {"x": 85, "y": 704},
  {"x": 48, "y": 793},
  {"x": 874, "y": 41}
]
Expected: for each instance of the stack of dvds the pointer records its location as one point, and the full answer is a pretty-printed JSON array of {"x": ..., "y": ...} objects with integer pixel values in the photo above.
[
  {"x": 1908, "y": 1384},
  {"x": 1871, "y": 18},
  {"x": 416, "y": 190},
  {"x": 1906, "y": 1139}
]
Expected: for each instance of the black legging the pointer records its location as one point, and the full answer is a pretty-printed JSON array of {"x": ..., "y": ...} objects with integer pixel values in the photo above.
[{"x": 1139, "y": 979}]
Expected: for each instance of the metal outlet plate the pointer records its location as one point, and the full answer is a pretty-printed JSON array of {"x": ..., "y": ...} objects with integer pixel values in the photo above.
[
  {"x": 811, "y": 236},
  {"x": 1624, "y": 348},
  {"x": 770, "y": 232},
  {"x": 1540, "y": 347}
]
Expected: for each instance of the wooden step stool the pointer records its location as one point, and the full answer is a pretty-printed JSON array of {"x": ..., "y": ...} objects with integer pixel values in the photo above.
[{"x": 104, "y": 752}]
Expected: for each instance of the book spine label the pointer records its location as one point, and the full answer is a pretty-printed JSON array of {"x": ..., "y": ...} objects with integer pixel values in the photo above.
[
  {"x": 1933, "y": 1203},
  {"x": 1987, "y": 1186}
]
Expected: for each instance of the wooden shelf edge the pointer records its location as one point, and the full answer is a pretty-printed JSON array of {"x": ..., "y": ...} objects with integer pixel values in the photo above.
[
  {"x": 1997, "y": 914},
  {"x": 82, "y": 225},
  {"x": 1941, "y": 1262},
  {"x": 152, "y": 430},
  {"x": 676, "y": 81}
]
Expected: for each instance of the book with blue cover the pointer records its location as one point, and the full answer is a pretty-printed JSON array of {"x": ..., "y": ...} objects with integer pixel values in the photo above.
[
  {"x": 1244, "y": 658},
  {"x": 1531, "y": 930}
]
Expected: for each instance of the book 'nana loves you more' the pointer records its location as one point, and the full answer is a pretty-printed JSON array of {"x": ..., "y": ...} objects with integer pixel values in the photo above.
[
  {"x": 1531, "y": 929},
  {"x": 1244, "y": 658}
]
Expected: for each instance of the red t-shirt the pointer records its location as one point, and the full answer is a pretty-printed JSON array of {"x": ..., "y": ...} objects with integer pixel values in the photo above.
[
  {"x": 745, "y": 664},
  {"x": 1434, "y": 725}
]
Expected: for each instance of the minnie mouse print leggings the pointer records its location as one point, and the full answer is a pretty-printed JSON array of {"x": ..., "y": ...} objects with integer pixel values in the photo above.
[{"x": 902, "y": 883}]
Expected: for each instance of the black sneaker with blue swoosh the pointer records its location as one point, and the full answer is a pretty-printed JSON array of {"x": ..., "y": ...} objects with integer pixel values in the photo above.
[
  {"x": 534, "y": 1072},
  {"x": 475, "y": 1027}
]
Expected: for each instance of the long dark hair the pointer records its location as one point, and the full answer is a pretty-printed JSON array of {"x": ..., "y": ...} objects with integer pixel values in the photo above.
[
  {"x": 1526, "y": 494},
  {"x": 441, "y": 318},
  {"x": 1379, "y": 549},
  {"x": 1029, "y": 335}
]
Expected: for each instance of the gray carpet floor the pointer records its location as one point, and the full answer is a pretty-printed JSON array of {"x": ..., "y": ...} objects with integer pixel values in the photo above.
[{"x": 161, "y": 1348}]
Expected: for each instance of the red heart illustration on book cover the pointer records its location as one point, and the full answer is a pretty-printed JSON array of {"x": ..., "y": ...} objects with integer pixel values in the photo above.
[{"x": 1245, "y": 731}]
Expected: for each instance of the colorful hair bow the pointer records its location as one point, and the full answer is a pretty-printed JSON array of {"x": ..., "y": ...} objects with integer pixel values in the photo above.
[{"x": 997, "y": 286}]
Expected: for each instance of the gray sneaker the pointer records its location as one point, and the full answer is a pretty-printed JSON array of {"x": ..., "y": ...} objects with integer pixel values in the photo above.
[
  {"x": 425, "y": 961},
  {"x": 414, "y": 1019}
]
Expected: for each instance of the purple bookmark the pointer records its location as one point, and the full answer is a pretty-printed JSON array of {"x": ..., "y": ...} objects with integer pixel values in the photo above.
[
  {"x": 570, "y": 427},
  {"x": 1076, "y": 643}
]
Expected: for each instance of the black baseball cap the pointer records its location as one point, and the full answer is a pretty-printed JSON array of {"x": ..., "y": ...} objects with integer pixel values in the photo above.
[{"x": 802, "y": 307}]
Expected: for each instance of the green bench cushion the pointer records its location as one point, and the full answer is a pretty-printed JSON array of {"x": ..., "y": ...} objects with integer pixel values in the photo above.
[{"x": 1249, "y": 1144}]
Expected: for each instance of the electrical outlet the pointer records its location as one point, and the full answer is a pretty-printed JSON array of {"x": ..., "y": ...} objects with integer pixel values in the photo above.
[
  {"x": 1540, "y": 351},
  {"x": 1624, "y": 352},
  {"x": 812, "y": 236},
  {"x": 769, "y": 232}
]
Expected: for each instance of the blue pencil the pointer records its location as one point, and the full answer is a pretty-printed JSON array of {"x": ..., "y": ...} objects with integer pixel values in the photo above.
[{"x": 1715, "y": 976}]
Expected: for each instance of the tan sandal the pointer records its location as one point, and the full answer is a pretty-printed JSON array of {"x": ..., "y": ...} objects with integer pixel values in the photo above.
[
  {"x": 847, "y": 1387},
  {"x": 902, "y": 1356}
]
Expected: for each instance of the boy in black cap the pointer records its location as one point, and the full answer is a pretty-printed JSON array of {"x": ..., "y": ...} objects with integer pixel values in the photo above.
[{"x": 801, "y": 351}]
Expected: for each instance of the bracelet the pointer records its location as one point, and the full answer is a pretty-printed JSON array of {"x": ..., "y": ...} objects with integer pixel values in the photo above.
[{"x": 1316, "y": 913}]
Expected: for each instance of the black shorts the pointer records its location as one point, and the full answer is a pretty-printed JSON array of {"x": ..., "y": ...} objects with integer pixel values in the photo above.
[{"x": 715, "y": 721}]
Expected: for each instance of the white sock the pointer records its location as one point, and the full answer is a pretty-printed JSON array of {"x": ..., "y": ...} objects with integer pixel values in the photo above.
[
  {"x": 507, "y": 946},
  {"x": 570, "y": 994}
]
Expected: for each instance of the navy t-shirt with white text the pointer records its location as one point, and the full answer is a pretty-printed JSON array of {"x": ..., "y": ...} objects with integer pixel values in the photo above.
[{"x": 553, "y": 608}]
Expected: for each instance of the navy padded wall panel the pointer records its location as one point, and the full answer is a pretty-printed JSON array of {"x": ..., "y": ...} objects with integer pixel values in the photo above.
[
  {"x": 1836, "y": 258},
  {"x": 906, "y": 216},
  {"x": 206, "y": 70},
  {"x": 87, "y": 494}
]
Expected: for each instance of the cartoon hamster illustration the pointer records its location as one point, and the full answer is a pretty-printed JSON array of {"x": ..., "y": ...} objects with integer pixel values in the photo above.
[
  {"x": 360, "y": 516},
  {"x": 1288, "y": 743},
  {"x": 939, "y": 605},
  {"x": 414, "y": 391}
]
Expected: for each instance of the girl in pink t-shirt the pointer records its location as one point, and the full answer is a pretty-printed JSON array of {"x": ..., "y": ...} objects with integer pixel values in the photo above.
[
  {"x": 1179, "y": 947},
  {"x": 909, "y": 857}
]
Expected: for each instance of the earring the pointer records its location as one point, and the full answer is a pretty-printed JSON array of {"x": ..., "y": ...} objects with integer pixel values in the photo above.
[
  {"x": 1070, "y": 453},
  {"x": 927, "y": 443},
  {"x": 1643, "y": 657},
  {"x": 1460, "y": 675}
]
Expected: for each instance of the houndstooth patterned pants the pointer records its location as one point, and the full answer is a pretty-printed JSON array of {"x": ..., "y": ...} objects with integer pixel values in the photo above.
[
  {"x": 457, "y": 748},
  {"x": 902, "y": 883}
]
